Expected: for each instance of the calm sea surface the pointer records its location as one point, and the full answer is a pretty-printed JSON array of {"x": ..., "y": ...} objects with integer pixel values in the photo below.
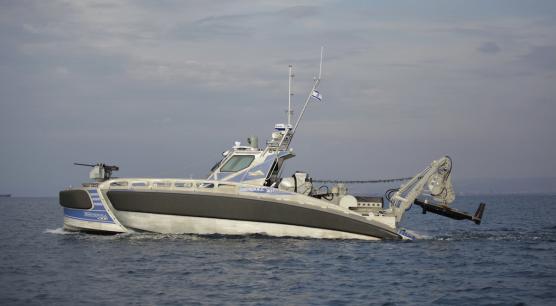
[{"x": 510, "y": 259}]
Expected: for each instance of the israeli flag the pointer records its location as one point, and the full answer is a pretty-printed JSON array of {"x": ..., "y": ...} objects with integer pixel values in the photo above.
[{"x": 315, "y": 94}]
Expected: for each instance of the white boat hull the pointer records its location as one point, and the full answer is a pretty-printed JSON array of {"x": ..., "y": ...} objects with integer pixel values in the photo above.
[
  {"x": 217, "y": 210},
  {"x": 206, "y": 226}
]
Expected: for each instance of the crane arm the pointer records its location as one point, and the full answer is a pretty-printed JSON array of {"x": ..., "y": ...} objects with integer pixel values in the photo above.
[{"x": 435, "y": 181}]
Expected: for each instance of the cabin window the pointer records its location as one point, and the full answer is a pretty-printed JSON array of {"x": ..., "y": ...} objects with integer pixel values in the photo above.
[{"x": 237, "y": 163}]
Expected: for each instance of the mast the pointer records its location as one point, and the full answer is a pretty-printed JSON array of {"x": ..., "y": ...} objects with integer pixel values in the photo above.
[
  {"x": 290, "y": 94},
  {"x": 320, "y": 65},
  {"x": 290, "y": 132}
]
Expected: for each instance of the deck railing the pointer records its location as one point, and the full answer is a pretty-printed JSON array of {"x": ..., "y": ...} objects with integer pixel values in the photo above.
[{"x": 175, "y": 185}]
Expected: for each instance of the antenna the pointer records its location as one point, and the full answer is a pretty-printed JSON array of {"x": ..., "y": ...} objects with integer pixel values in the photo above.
[
  {"x": 291, "y": 132},
  {"x": 315, "y": 86},
  {"x": 290, "y": 94},
  {"x": 320, "y": 66}
]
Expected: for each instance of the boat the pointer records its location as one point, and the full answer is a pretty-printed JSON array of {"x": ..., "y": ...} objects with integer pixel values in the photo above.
[
  {"x": 245, "y": 193},
  {"x": 5, "y": 195}
]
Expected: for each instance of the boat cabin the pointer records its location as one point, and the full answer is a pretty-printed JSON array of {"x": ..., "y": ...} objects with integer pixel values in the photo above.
[{"x": 251, "y": 165}]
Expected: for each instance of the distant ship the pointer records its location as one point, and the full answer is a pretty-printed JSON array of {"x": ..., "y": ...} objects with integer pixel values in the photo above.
[{"x": 7, "y": 195}]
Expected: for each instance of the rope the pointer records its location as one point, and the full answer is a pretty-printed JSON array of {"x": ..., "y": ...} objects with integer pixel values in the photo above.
[{"x": 364, "y": 181}]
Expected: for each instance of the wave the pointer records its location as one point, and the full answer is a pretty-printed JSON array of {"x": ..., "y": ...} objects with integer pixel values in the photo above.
[
  {"x": 503, "y": 235},
  {"x": 60, "y": 231}
]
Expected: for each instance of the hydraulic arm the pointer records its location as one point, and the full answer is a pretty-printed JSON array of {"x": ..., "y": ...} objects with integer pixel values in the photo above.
[{"x": 435, "y": 181}]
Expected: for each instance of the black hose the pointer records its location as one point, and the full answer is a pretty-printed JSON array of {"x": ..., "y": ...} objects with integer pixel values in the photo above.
[{"x": 363, "y": 181}]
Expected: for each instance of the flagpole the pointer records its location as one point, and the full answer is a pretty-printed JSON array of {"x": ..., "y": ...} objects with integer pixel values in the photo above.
[{"x": 315, "y": 86}]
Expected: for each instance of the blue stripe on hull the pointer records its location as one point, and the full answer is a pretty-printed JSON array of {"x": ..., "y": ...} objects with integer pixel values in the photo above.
[
  {"x": 97, "y": 214},
  {"x": 88, "y": 215}
]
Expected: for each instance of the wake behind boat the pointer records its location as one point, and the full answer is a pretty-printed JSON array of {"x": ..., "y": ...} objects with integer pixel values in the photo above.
[{"x": 245, "y": 193}]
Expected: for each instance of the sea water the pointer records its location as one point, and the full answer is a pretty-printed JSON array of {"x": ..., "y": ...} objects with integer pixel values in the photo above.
[{"x": 510, "y": 259}]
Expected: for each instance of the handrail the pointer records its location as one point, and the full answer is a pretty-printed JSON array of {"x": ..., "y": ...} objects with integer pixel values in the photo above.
[{"x": 174, "y": 185}]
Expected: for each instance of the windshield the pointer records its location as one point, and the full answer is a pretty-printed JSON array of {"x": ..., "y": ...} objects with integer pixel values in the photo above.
[{"x": 237, "y": 163}]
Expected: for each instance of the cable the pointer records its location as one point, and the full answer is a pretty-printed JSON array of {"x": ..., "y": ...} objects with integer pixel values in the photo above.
[
  {"x": 364, "y": 181},
  {"x": 326, "y": 195},
  {"x": 388, "y": 194}
]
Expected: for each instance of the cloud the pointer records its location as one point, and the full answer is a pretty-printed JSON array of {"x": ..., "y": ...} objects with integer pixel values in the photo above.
[
  {"x": 209, "y": 30},
  {"x": 245, "y": 25},
  {"x": 299, "y": 11},
  {"x": 148, "y": 79},
  {"x": 489, "y": 47},
  {"x": 540, "y": 57}
]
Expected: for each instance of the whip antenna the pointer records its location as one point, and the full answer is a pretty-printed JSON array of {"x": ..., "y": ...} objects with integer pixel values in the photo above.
[
  {"x": 313, "y": 89},
  {"x": 320, "y": 66}
]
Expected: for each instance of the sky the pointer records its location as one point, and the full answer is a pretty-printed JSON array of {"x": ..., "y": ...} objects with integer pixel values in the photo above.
[{"x": 161, "y": 88}]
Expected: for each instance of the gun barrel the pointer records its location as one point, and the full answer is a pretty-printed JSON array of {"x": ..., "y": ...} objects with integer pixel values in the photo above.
[
  {"x": 81, "y": 164},
  {"x": 111, "y": 168}
]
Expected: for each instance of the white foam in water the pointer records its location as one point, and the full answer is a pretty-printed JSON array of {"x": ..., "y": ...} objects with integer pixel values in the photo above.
[
  {"x": 59, "y": 231},
  {"x": 131, "y": 234},
  {"x": 418, "y": 236},
  {"x": 159, "y": 236}
]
